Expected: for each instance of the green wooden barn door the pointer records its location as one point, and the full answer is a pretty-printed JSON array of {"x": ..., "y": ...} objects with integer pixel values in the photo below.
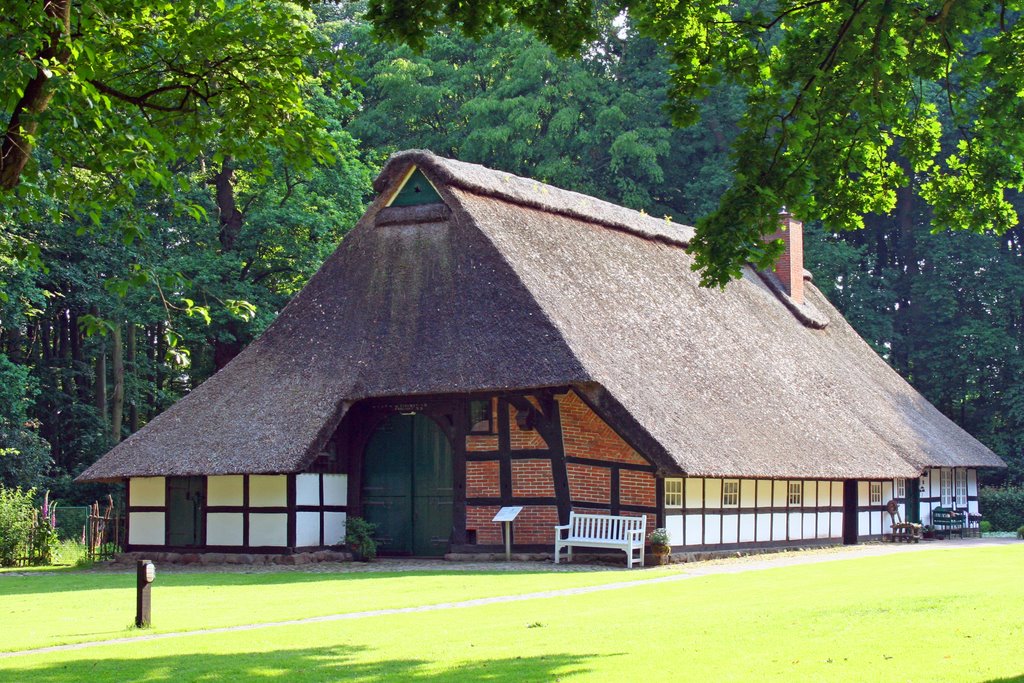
[
  {"x": 407, "y": 486},
  {"x": 185, "y": 499}
]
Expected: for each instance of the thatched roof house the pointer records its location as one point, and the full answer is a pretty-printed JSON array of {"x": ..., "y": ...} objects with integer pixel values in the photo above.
[{"x": 464, "y": 281}]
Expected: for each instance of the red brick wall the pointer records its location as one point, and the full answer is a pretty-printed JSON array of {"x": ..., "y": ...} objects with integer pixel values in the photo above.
[
  {"x": 524, "y": 439},
  {"x": 532, "y": 479},
  {"x": 477, "y": 444},
  {"x": 479, "y": 517},
  {"x": 790, "y": 266},
  {"x": 586, "y": 435},
  {"x": 637, "y": 488},
  {"x": 589, "y": 483},
  {"x": 482, "y": 479},
  {"x": 535, "y": 524}
]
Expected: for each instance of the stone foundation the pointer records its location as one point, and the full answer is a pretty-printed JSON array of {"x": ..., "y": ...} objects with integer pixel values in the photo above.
[{"x": 235, "y": 558}]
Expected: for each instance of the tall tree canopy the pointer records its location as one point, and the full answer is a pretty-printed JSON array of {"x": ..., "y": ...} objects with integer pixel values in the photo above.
[{"x": 846, "y": 102}]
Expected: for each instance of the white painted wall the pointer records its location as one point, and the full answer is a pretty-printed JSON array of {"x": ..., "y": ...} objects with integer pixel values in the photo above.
[
  {"x": 307, "y": 527},
  {"x": 146, "y": 528},
  {"x": 224, "y": 490},
  {"x": 267, "y": 529},
  {"x": 224, "y": 528},
  {"x": 335, "y": 489},
  {"x": 307, "y": 491},
  {"x": 268, "y": 490},
  {"x": 334, "y": 528},
  {"x": 148, "y": 491}
]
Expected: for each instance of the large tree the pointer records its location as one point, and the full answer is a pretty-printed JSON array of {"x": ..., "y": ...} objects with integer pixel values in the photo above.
[{"x": 844, "y": 101}]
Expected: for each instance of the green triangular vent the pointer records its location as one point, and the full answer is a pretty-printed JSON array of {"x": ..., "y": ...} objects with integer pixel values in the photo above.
[{"x": 417, "y": 190}]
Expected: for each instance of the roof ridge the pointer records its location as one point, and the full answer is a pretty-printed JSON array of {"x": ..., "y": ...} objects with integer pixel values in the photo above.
[{"x": 534, "y": 194}]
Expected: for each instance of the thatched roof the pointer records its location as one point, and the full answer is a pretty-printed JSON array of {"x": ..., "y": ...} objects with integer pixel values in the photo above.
[{"x": 515, "y": 284}]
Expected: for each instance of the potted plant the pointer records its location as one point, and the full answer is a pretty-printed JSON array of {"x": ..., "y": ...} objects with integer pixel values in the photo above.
[
  {"x": 660, "y": 547},
  {"x": 359, "y": 539}
]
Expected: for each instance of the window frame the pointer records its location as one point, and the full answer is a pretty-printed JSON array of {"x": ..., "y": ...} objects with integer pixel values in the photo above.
[
  {"x": 795, "y": 493},
  {"x": 946, "y": 487},
  {"x": 960, "y": 487},
  {"x": 673, "y": 499},
  {"x": 901, "y": 488},
  {"x": 473, "y": 431},
  {"x": 728, "y": 496},
  {"x": 874, "y": 493}
]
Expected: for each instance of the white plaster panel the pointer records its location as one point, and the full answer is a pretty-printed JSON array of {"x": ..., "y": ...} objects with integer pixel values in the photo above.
[
  {"x": 972, "y": 507},
  {"x": 307, "y": 527},
  {"x": 674, "y": 526},
  {"x": 764, "y": 527},
  {"x": 810, "y": 494},
  {"x": 713, "y": 493},
  {"x": 824, "y": 489},
  {"x": 307, "y": 492},
  {"x": 747, "y": 489},
  {"x": 795, "y": 523},
  {"x": 693, "y": 529},
  {"x": 764, "y": 493},
  {"x": 837, "y": 524},
  {"x": 779, "y": 526},
  {"x": 780, "y": 493},
  {"x": 268, "y": 490},
  {"x": 224, "y": 528},
  {"x": 224, "y": 490},
  {"x": 730, "y": 529},
  {"x": 268, "y": 529},
  {"x": 837, "y": 493},
  {"x": 972, "y": 482},
  {"x": 863, "y": 523},
  {"x": 335, "y": 489},
  {"x": 694, "y": 494},
  {"x": 150, "y": 491},
  {"x": 810, "y": 525},
  {"x": 146, "y": 528},
  {"x": 334, "y": 528},
  {"x": 876, "y": 522},
  {"x": 823, "y": 518},
  {"x": 746, "y": 528},
  {"x": 712, "y": 529},
  {"x": 863, "y": 493}
]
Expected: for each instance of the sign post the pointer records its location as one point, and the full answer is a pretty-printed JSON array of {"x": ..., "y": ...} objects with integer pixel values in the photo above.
[
  {"x": 507, "y": 515},
  {"x": 144, "y": 574}
]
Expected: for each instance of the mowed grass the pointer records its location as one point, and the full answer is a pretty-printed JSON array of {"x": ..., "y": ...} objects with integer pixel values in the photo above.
[
  {"x": 938, "y": 615},
  {"x": 63, "y": 607}
]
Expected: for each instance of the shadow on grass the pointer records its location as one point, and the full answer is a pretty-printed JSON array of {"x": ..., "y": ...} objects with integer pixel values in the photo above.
[
  {"x": 61, "y": 581},
  {"x": 319, "y": 664}
]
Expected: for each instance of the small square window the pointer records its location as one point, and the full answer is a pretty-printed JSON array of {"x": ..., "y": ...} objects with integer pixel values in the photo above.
[
  {"x": 481, "y": 417},
  {"x": 731, "y": 493},
  {"x": 673, "y": 493},
  {"x": 875, "y": 490},
  {"x": 901, "y": 488},
  {"x": 796, "y": 492}
]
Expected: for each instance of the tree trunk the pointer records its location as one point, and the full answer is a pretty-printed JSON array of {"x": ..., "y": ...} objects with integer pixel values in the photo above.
[
  {"x": 231, "y": 221},
  {"x": 133, "y": 404},
  {"x": 117, "y": 406},
  {"x": 16, "y": 149},
  {"x": 99, "y": 386}
]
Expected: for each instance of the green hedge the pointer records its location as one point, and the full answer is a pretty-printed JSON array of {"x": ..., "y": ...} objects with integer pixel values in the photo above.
[{"x": 1004, "y": 507}]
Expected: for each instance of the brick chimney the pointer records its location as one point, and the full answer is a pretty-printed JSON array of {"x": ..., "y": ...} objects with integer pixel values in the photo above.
[{"x": 790, "y": 266}]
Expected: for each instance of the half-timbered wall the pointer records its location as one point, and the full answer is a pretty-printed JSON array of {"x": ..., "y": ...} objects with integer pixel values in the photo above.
[
  {"x": 721, "y": 513},
  {"x": 248, "y": 512},
  {"x": 962, "y": 490}
]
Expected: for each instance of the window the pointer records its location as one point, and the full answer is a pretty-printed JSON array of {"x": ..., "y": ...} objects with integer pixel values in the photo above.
[
  {"x": 673, "y": 493},
  {"x": 731, "y": 493},
  {"x": 961, "y": 488},
  {"x": 946, "y": 488},
  {"x": 796, "y": 492},
  {"x": 480, "y": 417},
  {"x": 901, "y": 488},
  {"x": 875, "y": 491}
]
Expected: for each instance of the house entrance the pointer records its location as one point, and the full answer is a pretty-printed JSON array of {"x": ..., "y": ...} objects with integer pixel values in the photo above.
[
  {"x": 185, "y": 499},
  {"x": 407, "y": 486},
  {"x": 850, "y": 512},
  {"x": 913, "y": 501}
]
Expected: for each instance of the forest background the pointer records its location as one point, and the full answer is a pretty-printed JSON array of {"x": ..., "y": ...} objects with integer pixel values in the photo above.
[{"x": 110, "y": 314}]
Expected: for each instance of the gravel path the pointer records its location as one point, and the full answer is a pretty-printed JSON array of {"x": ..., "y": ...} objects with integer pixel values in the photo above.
[{"x": 685, "y": 571}]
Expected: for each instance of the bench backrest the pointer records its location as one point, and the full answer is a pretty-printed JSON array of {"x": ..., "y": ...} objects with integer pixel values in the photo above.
[
  {"x": 610, "y": 527},
  {"x": 946, "y": 516}
]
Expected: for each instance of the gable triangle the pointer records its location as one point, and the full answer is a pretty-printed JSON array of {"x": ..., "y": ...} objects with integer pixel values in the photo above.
[{"x": 416, "y": 190}]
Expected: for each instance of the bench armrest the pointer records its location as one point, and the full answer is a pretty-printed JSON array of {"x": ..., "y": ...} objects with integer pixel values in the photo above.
[{"x": 562, "y": 526}]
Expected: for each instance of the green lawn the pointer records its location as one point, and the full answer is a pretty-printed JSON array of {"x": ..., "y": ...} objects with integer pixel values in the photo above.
[{"x": 939, "y": 615}]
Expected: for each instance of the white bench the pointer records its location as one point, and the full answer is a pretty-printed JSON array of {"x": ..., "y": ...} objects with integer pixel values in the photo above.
[{"x": 603, "y": 531}]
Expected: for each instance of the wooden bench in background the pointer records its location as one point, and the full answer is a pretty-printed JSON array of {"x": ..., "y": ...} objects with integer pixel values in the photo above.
[
  {"x": 948, "y": 521},
  {"x": 603, "y": 531}
]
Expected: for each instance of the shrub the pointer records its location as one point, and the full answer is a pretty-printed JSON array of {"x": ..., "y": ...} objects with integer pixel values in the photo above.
[
  {"x": 985, "y": 526},
  {"x": 659, "y": 537},
  {"x": 359, "y": 538},
  {"x": 1003, "y": 507},
  {"x": 1020, "y": 532},
  {"x": 16, "y": 514}
]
